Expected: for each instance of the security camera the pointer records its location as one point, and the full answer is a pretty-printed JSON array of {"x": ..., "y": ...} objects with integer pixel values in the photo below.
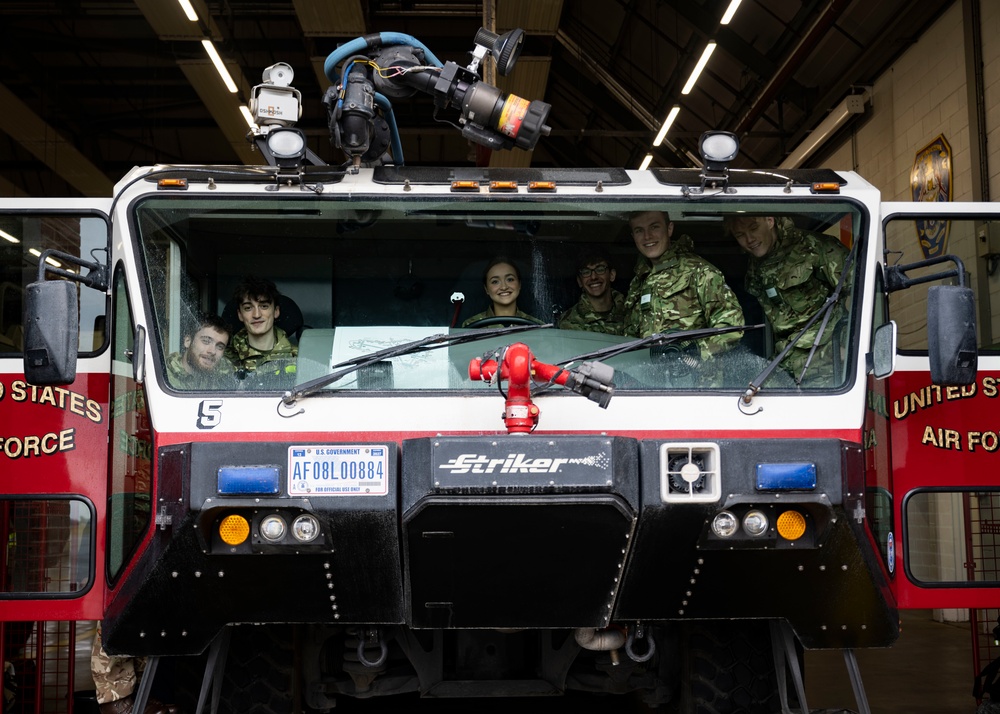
[{"x": 279, "y": 74}]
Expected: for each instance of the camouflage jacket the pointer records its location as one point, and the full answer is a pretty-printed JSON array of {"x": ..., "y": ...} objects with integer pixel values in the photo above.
[
  {"x": 248, "y": 358},
  {"x": 794, "y": 279},
  {"x": 681, "y": 291},
  {"x": 791, "y": 283},
  {"x": 583, "y": 316},
  {"x": 489, "y": 313},
  {"x": 180, "y": 378}
]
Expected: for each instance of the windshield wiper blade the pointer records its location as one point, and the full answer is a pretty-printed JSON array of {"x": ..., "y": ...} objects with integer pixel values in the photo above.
[
  {"x": 407, "y": 348},
  {"x": 656, "y": 339}
]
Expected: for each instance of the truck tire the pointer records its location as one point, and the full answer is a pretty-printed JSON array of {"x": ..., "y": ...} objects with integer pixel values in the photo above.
[
  {"x": 259, "y": 677},
  {"x": 260, "y": 670},
  {"x": 728, "y": 667}
]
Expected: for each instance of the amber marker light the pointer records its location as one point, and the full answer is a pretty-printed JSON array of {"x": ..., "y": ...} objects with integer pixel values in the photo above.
[
  {"x": 175, "y": 184},
  {"x": 791, "y": 525},
  {"x": 234, "y": 530}
]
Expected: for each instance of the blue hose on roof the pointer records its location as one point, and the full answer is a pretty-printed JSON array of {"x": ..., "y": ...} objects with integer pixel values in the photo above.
[
  {"x": 360, "y": 44},
  {"x": 397, "y": 146}
]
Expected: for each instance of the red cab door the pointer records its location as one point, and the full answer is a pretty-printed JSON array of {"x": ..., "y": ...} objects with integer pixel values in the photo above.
[
  {"x": 943, "y": 446},
  {"x": 53, "y": 439}
]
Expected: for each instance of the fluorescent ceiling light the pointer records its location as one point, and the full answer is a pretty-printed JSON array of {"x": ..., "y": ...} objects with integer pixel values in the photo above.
[
  {"x": 851, "y": 105},
  {"x": 247, "y": 116},
  {"x": 7, "y": 236},
  {"x": 646, "y": 162},
  {"x": 666, "y": 125},
  {"x": 709, "y": 49},
  {"x": 193, "y": 16},
  {"x": 219, "y": 66},
  {"x": 730, "y": 11}
]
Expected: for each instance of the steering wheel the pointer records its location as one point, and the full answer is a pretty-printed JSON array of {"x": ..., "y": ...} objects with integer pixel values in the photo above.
[{"x": 500, "y": 320}]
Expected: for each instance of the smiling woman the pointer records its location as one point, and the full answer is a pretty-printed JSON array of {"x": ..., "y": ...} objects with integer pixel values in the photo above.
[{"x": 502, "y": 283}]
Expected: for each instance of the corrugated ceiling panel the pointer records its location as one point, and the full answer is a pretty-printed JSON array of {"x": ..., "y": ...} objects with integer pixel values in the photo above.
[
  {"x": 535, "y": 17},
  {"x": 24, "y": 126},
  {"x": 170, "y": 23},
  {"x": 325, "y": 19}
]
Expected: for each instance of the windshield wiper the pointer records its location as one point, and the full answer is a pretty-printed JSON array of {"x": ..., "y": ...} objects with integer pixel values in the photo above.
[
  {"x": 825, "y": 311},
  {"x": 407, "y": 348},
  {"x": 656, "y": 339}
]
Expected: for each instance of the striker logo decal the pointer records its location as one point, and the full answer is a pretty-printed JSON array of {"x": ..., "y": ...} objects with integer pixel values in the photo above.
[{"x": 519, "y": 464}]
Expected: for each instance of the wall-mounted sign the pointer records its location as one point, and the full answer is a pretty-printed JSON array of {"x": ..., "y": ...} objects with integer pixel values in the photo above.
[{"x": 930, "y": 180}]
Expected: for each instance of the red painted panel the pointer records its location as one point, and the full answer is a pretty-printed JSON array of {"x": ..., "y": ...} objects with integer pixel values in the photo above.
[
  {"x": 947, "y": 438},
  {"x": 54, "y": 441}
]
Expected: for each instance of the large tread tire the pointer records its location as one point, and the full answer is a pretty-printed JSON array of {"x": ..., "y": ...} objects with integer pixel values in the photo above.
[
  {"x": 259, "y": 677},
  {"x": 729, "y": 668}
]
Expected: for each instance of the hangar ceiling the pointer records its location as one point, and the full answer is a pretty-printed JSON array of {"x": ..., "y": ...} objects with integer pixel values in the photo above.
[{"x": 90, "y": 88}]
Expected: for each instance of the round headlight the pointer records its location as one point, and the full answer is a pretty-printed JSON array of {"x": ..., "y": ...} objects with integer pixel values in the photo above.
[
  {"x": 305, "y": 528},
  {"x": 724, "y": 524},
  {"x": 286, "y": 143},
  {"x": 272, "y": 528},
  {"x": 755, "y": 523}
]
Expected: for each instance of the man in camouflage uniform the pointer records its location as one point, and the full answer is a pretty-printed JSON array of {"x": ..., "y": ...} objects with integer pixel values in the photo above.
[
  {"x": 115, "y": 678},
  {"x": 791, "y": 273},
  {"x": 201, "y": 365},
  {"x": 259, "y": 341},
  {"x": 674, "y": 289},
  {"x": 601, "y": 308}
]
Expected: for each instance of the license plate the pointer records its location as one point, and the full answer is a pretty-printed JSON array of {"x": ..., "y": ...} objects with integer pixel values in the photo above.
[{"x": 338, "y": 470}]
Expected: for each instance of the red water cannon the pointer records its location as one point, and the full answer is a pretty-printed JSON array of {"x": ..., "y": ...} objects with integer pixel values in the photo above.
[{"x": 519, "y": 368}]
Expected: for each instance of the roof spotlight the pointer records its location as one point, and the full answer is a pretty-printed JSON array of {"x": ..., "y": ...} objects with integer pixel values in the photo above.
[
  {"x": 505, "y": 48},
  {"x": 287, "y": 146},
  {"x": 717, "y": 149}
]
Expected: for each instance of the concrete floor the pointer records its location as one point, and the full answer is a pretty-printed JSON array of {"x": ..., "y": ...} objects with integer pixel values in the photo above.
[{"x": 927, "y": 671}]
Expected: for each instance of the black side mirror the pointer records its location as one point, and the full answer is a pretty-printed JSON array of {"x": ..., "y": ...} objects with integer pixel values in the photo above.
[
  {"x": 51, "y": 332},
  {"x": 951, "y": 335}
]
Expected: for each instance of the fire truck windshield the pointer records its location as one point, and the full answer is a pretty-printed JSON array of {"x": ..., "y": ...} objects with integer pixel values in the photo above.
[{"x": 364, "y": 275}]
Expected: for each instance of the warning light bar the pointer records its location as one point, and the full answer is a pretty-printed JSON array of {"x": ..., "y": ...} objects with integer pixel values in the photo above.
[
  {"x": 248, "y": 480},
  {"x": 786, "y": 477}
]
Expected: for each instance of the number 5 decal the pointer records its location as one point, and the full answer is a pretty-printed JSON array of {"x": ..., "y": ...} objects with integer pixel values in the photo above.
[{"x": 209, "y": 413}]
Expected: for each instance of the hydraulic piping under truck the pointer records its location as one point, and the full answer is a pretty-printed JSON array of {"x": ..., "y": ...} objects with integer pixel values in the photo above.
[{"x": 371, "y": 518}]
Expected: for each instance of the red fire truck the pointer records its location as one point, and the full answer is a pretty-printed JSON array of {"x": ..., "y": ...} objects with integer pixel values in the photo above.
[{"x": 413, "y": 506}]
